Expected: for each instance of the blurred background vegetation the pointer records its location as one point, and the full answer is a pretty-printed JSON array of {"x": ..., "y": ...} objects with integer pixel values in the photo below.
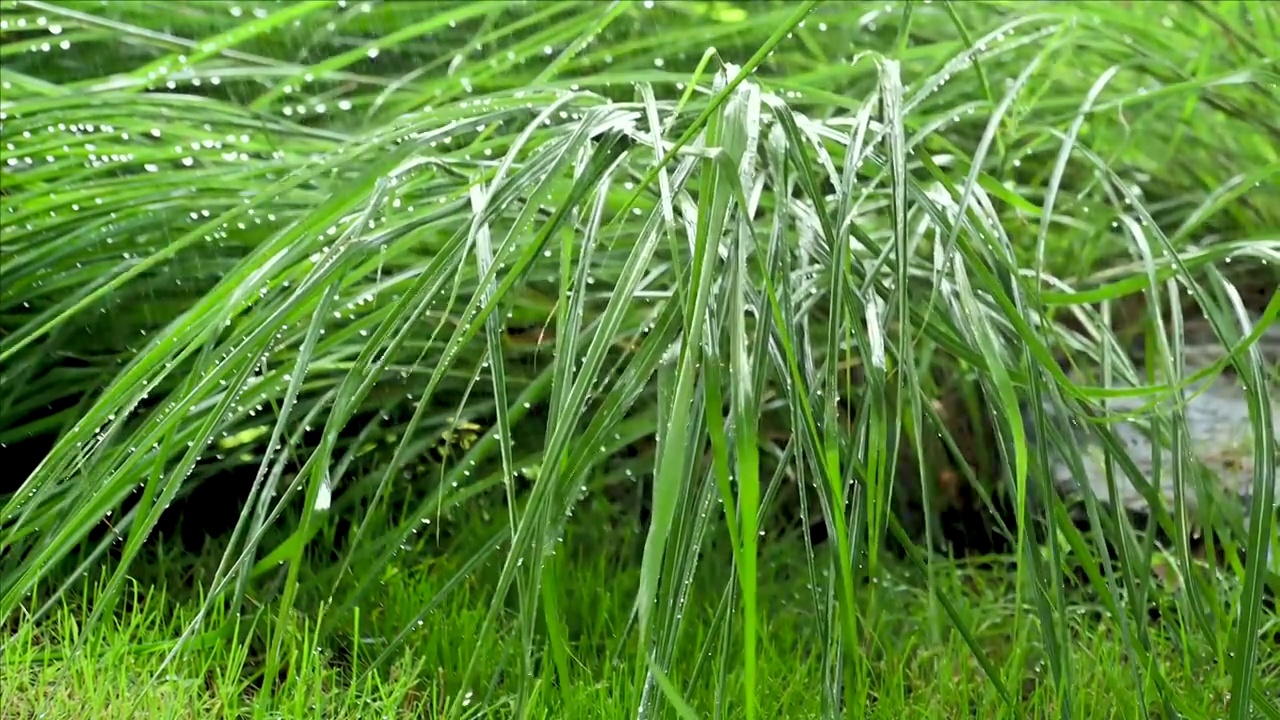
[{"x": 638, "y": 358}]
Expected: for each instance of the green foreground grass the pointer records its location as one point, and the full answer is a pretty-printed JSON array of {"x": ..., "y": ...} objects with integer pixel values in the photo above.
[
  {"x": 730, "y": 266},
  {"x": 923, "y": 667}
]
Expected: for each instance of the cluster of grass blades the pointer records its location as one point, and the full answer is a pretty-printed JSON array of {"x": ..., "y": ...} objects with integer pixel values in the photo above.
[{"x": 273, "y": 252}]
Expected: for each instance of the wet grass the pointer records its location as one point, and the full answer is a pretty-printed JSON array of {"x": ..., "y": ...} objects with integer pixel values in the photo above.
[
  {"x": 923, "y": 667},
  {"x": 668, "y": 279}
]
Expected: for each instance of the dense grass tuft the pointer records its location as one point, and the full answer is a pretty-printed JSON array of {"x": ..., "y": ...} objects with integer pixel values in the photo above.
[{"x": 591, "y": 358}]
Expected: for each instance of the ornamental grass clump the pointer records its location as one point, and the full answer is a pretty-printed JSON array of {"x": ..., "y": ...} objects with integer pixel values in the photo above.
[{"x": 309, "y": 282}]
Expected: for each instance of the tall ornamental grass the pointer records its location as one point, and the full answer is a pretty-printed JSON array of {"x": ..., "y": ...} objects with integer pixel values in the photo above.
[{"x": 787, "y": 244}]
